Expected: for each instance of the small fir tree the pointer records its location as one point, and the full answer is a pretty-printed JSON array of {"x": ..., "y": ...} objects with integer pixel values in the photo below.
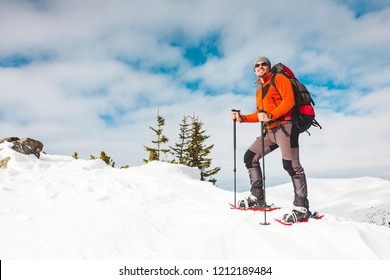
[
  {"x": 197, "y": 152},
  {"x": 104, "y": 157},
  {"x": 108, "y": 160},
  {"x": 180, "y": 149},
  {"x": 161, "y": 139}
]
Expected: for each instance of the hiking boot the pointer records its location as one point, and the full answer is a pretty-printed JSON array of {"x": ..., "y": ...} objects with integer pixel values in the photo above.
[
  {"x": 249, "y": 202},
  {"x": 297, "y": 214}
]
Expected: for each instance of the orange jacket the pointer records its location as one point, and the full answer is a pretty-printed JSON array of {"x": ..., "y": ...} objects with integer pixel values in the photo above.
[{"x": 277, "y": 104}]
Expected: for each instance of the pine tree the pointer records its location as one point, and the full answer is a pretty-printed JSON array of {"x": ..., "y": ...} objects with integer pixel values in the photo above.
[
  {"x": 180, "y": 149},
  {"x": 104, "y": 157},
  {"x": 108, "y": 160},
  {"x": 155, "y": 153},
  {"x": 196, "y": 155}
]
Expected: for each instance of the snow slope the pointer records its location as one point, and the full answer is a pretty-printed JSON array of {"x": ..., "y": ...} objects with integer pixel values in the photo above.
[{"x": 59, "y": 208}]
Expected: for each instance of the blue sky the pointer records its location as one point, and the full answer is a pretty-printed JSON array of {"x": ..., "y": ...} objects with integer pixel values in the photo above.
[{"x": 90, "y": 75}]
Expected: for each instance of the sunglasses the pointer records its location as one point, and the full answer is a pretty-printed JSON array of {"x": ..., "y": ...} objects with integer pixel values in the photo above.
[{"x": 261, "y": 64}]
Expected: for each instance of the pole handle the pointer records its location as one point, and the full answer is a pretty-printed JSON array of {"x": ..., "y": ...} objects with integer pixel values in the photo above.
[{"x": 236, "y": 111}]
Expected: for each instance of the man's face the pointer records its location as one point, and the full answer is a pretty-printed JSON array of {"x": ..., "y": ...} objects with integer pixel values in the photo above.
[{"x": 261, "y": 68}]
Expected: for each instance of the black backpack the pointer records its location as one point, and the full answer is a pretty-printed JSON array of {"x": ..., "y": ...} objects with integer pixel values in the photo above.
[{"x": 303, "y": 100}]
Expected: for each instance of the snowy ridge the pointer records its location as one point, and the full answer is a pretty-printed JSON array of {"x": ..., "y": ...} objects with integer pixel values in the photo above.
[{"x": 57, "y": 207}]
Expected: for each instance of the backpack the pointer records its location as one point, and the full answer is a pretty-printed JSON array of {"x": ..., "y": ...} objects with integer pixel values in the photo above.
[{"x": 303, "y": 101}]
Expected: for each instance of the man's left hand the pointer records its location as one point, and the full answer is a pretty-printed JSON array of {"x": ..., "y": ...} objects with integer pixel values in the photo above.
[{"x": 263, "y": 117}]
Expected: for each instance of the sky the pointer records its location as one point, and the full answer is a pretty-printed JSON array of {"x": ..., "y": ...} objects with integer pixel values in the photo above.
[{"x": 90, "y": 75}]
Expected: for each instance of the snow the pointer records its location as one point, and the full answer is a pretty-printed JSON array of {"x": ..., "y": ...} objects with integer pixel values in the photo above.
[{"x": 60, "y": 208}]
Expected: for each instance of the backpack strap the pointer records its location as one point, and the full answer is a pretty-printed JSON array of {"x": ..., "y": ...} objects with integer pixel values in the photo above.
[
  {"x": 273, "y": 82},
  {"x": 264, "y": 91},
  {"x": 272, "y": 79},
  {"x": 295, "y": 108},
  {"x": 266, "y": 88}
]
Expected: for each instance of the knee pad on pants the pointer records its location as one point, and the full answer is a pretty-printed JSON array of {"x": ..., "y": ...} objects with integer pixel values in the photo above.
[
  {"x": 287, "y": 165},
  {"x": 248, "y": 158}
]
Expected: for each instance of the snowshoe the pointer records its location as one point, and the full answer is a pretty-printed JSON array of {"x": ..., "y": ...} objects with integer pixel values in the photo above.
[
  {"x": 298, "y": 214},
  {"x": 249, "y": 202},
  {"x": 268, "y": 208},
  {"x": 314, "y": 215}
]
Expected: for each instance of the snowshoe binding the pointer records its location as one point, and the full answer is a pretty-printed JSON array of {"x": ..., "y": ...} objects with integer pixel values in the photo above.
[
  {"x": 298, "y": 214},
  {"x": 253, "y": 202}
]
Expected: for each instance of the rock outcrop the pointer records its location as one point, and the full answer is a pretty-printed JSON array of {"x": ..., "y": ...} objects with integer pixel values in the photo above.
[{"x": 25, "y": 146}]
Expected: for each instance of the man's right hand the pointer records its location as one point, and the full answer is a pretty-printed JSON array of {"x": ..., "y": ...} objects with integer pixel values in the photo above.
[{"x": 236, "y": 116}]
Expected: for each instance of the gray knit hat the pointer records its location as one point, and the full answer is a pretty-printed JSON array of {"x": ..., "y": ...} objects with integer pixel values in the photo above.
[{"x": 262, "y": 59}]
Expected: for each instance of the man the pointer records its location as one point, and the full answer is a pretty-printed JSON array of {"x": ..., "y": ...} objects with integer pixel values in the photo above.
[{"x": 275, "y": 108}]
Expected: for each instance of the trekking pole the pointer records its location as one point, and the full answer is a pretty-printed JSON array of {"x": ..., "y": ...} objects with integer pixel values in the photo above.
[
  {"x": 263, "y": 169},
  {"x": 235, "y": 156}
]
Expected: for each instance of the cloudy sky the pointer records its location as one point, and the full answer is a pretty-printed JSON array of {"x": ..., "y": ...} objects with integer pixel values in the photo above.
[{"x": 90, "y": 75}]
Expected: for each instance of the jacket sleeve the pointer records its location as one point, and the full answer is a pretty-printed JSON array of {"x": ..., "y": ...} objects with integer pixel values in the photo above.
[
  {"x": 250, "y": 117},
  {"x": 284, "y": 87}
]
